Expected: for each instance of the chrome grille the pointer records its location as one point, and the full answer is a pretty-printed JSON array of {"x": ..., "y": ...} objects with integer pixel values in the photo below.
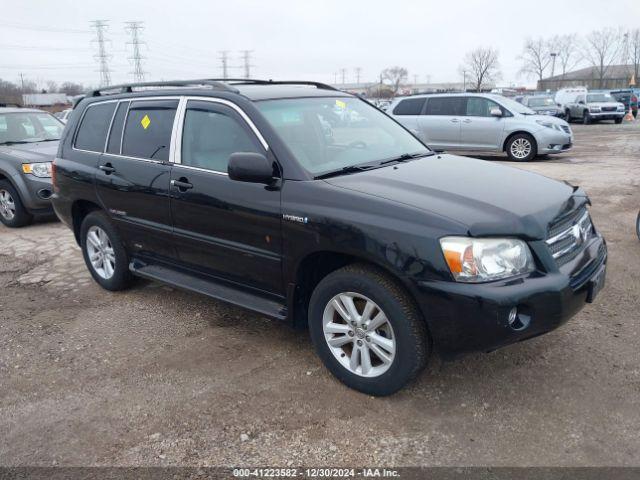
[
  {"x": 609, "y": 109},
  {"x": 568, "y": 236}
]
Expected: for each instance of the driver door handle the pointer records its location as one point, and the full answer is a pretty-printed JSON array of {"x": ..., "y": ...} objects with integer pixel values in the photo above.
[
  {"x": 454, "y": 120},
  {"x": 467, "y": 120},
  {"x": 107, "y": 168}
]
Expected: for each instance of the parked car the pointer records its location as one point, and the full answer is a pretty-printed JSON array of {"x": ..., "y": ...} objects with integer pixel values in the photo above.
[
  {"x": 385, "y": 249},
  {"x": 483, "y": 123},
  {"x": 628, "y": 98},
  {"x": 63, "y": 116},
  {"x": 28, "y": 144},
  {"x": 543, "y": 105},
  {"x": 591, "y": 107}
]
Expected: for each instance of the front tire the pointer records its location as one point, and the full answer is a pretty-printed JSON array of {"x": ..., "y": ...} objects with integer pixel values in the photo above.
[
  {"x": 618, "y": 121},
  {"x": 638, "y": 226},
  {"x": 13, "y": 213},
  {"x": 567, "y": 116},
  {"x": 104, "y": 252},
  {"x": 367, "y": 330},
  {"x": 586, "y": 118},
  {"x": 522, "y": 147}
]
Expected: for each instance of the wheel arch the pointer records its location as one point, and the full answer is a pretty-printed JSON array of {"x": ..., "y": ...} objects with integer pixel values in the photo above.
[
  {"x": 317, "y": 265},
  {"x": 79, "y": 210},
  {"x": 518, "y": 132}
]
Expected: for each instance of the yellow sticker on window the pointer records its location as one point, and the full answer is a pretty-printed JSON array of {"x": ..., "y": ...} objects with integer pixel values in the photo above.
[
  {"x": 341, "y": 104},
  {"x": 145, "y": 122}
]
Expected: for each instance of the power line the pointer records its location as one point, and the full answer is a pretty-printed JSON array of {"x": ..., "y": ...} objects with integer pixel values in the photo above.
[
  {"x": 100, "y": 27},
  {"x": 134, "y": 29}
]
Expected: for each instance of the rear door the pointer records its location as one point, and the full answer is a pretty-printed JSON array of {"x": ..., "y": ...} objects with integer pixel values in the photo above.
[
  {"x": 134, "y": 172},
  {"x": 480, "y": 130},
  {"x": 440, "y": 123},
  {"x": 224, "y": 228}
]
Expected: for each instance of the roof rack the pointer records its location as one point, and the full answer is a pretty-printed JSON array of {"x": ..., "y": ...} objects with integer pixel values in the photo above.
[
  {"x": 128, "y": 87},
  {"x": 216, "y": 83}
]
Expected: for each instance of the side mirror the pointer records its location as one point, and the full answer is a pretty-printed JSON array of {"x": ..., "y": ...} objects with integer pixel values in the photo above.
[
  {"x": 580, "y": 102},
  {"x": 495, "y": 112},
  {"x": 250, "y": 167}
]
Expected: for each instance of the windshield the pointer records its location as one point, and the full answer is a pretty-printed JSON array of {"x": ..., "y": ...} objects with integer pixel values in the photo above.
[
  {"x": 329, "y": 134},
  {"x": 29, "y": 127},
  {"x": 541, "y": 102},
  {"x": 514, "y": 106},
  {"x": 599, "y": 97}
]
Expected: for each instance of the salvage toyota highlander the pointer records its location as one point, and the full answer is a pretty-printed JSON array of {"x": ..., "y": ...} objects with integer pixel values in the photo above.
[{"x": 307, "y": 204}]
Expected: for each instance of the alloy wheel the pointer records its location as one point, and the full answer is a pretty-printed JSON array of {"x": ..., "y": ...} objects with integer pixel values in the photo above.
[
  {"x": 100, "y": 252},
  {"x": 7, "y": 205},
  {"x": 520, "y": 148},
  {"x": 359, "y": 334}
]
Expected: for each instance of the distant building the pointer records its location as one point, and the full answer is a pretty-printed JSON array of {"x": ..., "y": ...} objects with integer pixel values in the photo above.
[
  {"x": 616, "y": 76},
  {"x": 41, "y": 100}
]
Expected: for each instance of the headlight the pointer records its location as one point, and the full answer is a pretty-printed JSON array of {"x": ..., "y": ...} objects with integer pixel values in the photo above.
[
  {"x": 594, "y": 109},
  {"x": 547, "y": 124},
  {"x": 42, "y": 170},
  {"x": 474, "y": 260},
  {"x": 621, "y": 108}
]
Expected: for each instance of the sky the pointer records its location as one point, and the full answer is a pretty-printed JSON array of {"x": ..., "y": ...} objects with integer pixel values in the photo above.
[{"x": 288, "y": 39}]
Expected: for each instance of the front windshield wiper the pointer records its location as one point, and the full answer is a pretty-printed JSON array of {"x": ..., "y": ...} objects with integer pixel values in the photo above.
[
  {"x": 406, "y": 157},
  {"x": 344, "y": 170},
  {"x": 49, "y": 140},
  {"x": 14, "y": 142}
]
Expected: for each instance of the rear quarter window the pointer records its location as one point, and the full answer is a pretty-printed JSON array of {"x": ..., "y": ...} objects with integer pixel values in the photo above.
[
  {"x": 92, "y": 133},
  {"x": 410, "y": 106}
]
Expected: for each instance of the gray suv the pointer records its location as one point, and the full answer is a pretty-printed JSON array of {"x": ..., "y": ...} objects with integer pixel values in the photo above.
[
  {"x": 591, "y": 107},
  {"x": 28, "y": 145},
  {"x": 483, "y": 123}
]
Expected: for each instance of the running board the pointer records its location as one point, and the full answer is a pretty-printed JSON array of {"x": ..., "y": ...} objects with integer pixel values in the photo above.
[{"x": 210, "y": 288}]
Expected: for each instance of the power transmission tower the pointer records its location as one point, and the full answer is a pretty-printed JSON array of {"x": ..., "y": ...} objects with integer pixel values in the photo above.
[
  {"x": 343, "y": 73},
  {"x": 246, "y": 58},
  {"x": 102, "y": 56},
  {"x": 134, "y": 29},
  {"x": 224, "y": 61}
]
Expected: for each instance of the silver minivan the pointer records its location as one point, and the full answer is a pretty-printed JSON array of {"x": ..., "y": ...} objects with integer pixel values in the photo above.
[{"x": 483, "y": 123}]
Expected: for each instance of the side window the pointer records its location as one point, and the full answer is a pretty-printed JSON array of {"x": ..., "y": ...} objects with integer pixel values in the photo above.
[
  {"x": 115, "y": 136},
  {"x": 410, "y": 106},
  {"x": 445, "y": 106},
  {"x": 147, "y": 131},
  {"x": 480, "y": 107},
  {"x": 92, "y": 133},
  {"x": 211, "y": 134}
]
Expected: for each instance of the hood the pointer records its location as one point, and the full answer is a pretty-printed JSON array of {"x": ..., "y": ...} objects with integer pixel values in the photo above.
[
  {"x": 549, "y": 108},
  {"x": 31, "y": 152},
  {"x": 549, "y": 119},
  {"x": 488, "y": 198}
]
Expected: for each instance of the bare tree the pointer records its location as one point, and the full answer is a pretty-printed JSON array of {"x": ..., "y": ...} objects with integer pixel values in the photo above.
[
  {"x": 52, "y": 87},
  {"x": 535, "y": 57},
  {"x": 567, "y": 50},
  {"x": 71, "y": 88},
  {"x": 634, "y": 52},
  {"x": 395, "y": 76},
  {"x": 482, "y": 67},
  {"x": 602, "y": 48}
]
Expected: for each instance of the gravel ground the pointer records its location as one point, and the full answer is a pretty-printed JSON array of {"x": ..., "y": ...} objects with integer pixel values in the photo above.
[{"x": 156, "y": 376}]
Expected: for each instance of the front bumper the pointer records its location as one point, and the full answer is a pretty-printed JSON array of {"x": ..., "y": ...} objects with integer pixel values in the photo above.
[
  {"x": 553, "y": 141},
  {"x": 35, "y": 192},
  {"x": 475, "y": 317},
  {"x": 606, "y": 115}
]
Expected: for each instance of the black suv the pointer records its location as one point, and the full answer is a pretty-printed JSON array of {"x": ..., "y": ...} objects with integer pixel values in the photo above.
[{"x": 310, "y": 205}]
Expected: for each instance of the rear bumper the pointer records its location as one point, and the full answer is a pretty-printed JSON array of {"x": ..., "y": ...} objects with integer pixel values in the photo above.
[{"x": 467, "y": 317}]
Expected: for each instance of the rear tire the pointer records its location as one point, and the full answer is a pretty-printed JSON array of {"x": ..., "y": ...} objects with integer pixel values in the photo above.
[
  {"x": 638, "y": 226},
  {"x": 522, "y": 147},
  {"x": 13, "y": 213},
  {"x": 104, "y": 252},
  {"x": 390, "y": 343}
]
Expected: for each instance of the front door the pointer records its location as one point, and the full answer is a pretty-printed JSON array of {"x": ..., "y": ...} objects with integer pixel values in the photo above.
[
  {"x": 133, "y": 175},
  {"x": 224, "y": 228},
  {"x": 479, "y": 129},
  {"x": 440, "y": 124}
]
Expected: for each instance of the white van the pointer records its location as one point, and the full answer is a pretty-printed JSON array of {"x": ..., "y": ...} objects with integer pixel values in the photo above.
[{"x": 569, "y": 95}]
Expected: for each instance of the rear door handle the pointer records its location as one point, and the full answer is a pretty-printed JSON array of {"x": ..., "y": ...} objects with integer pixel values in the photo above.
[
  {"x": 183, "y": 185},
  {"x": 466, "y": 120},
  {"x": 454, "y": 120},
  {"x": 107, "y": 168}
]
